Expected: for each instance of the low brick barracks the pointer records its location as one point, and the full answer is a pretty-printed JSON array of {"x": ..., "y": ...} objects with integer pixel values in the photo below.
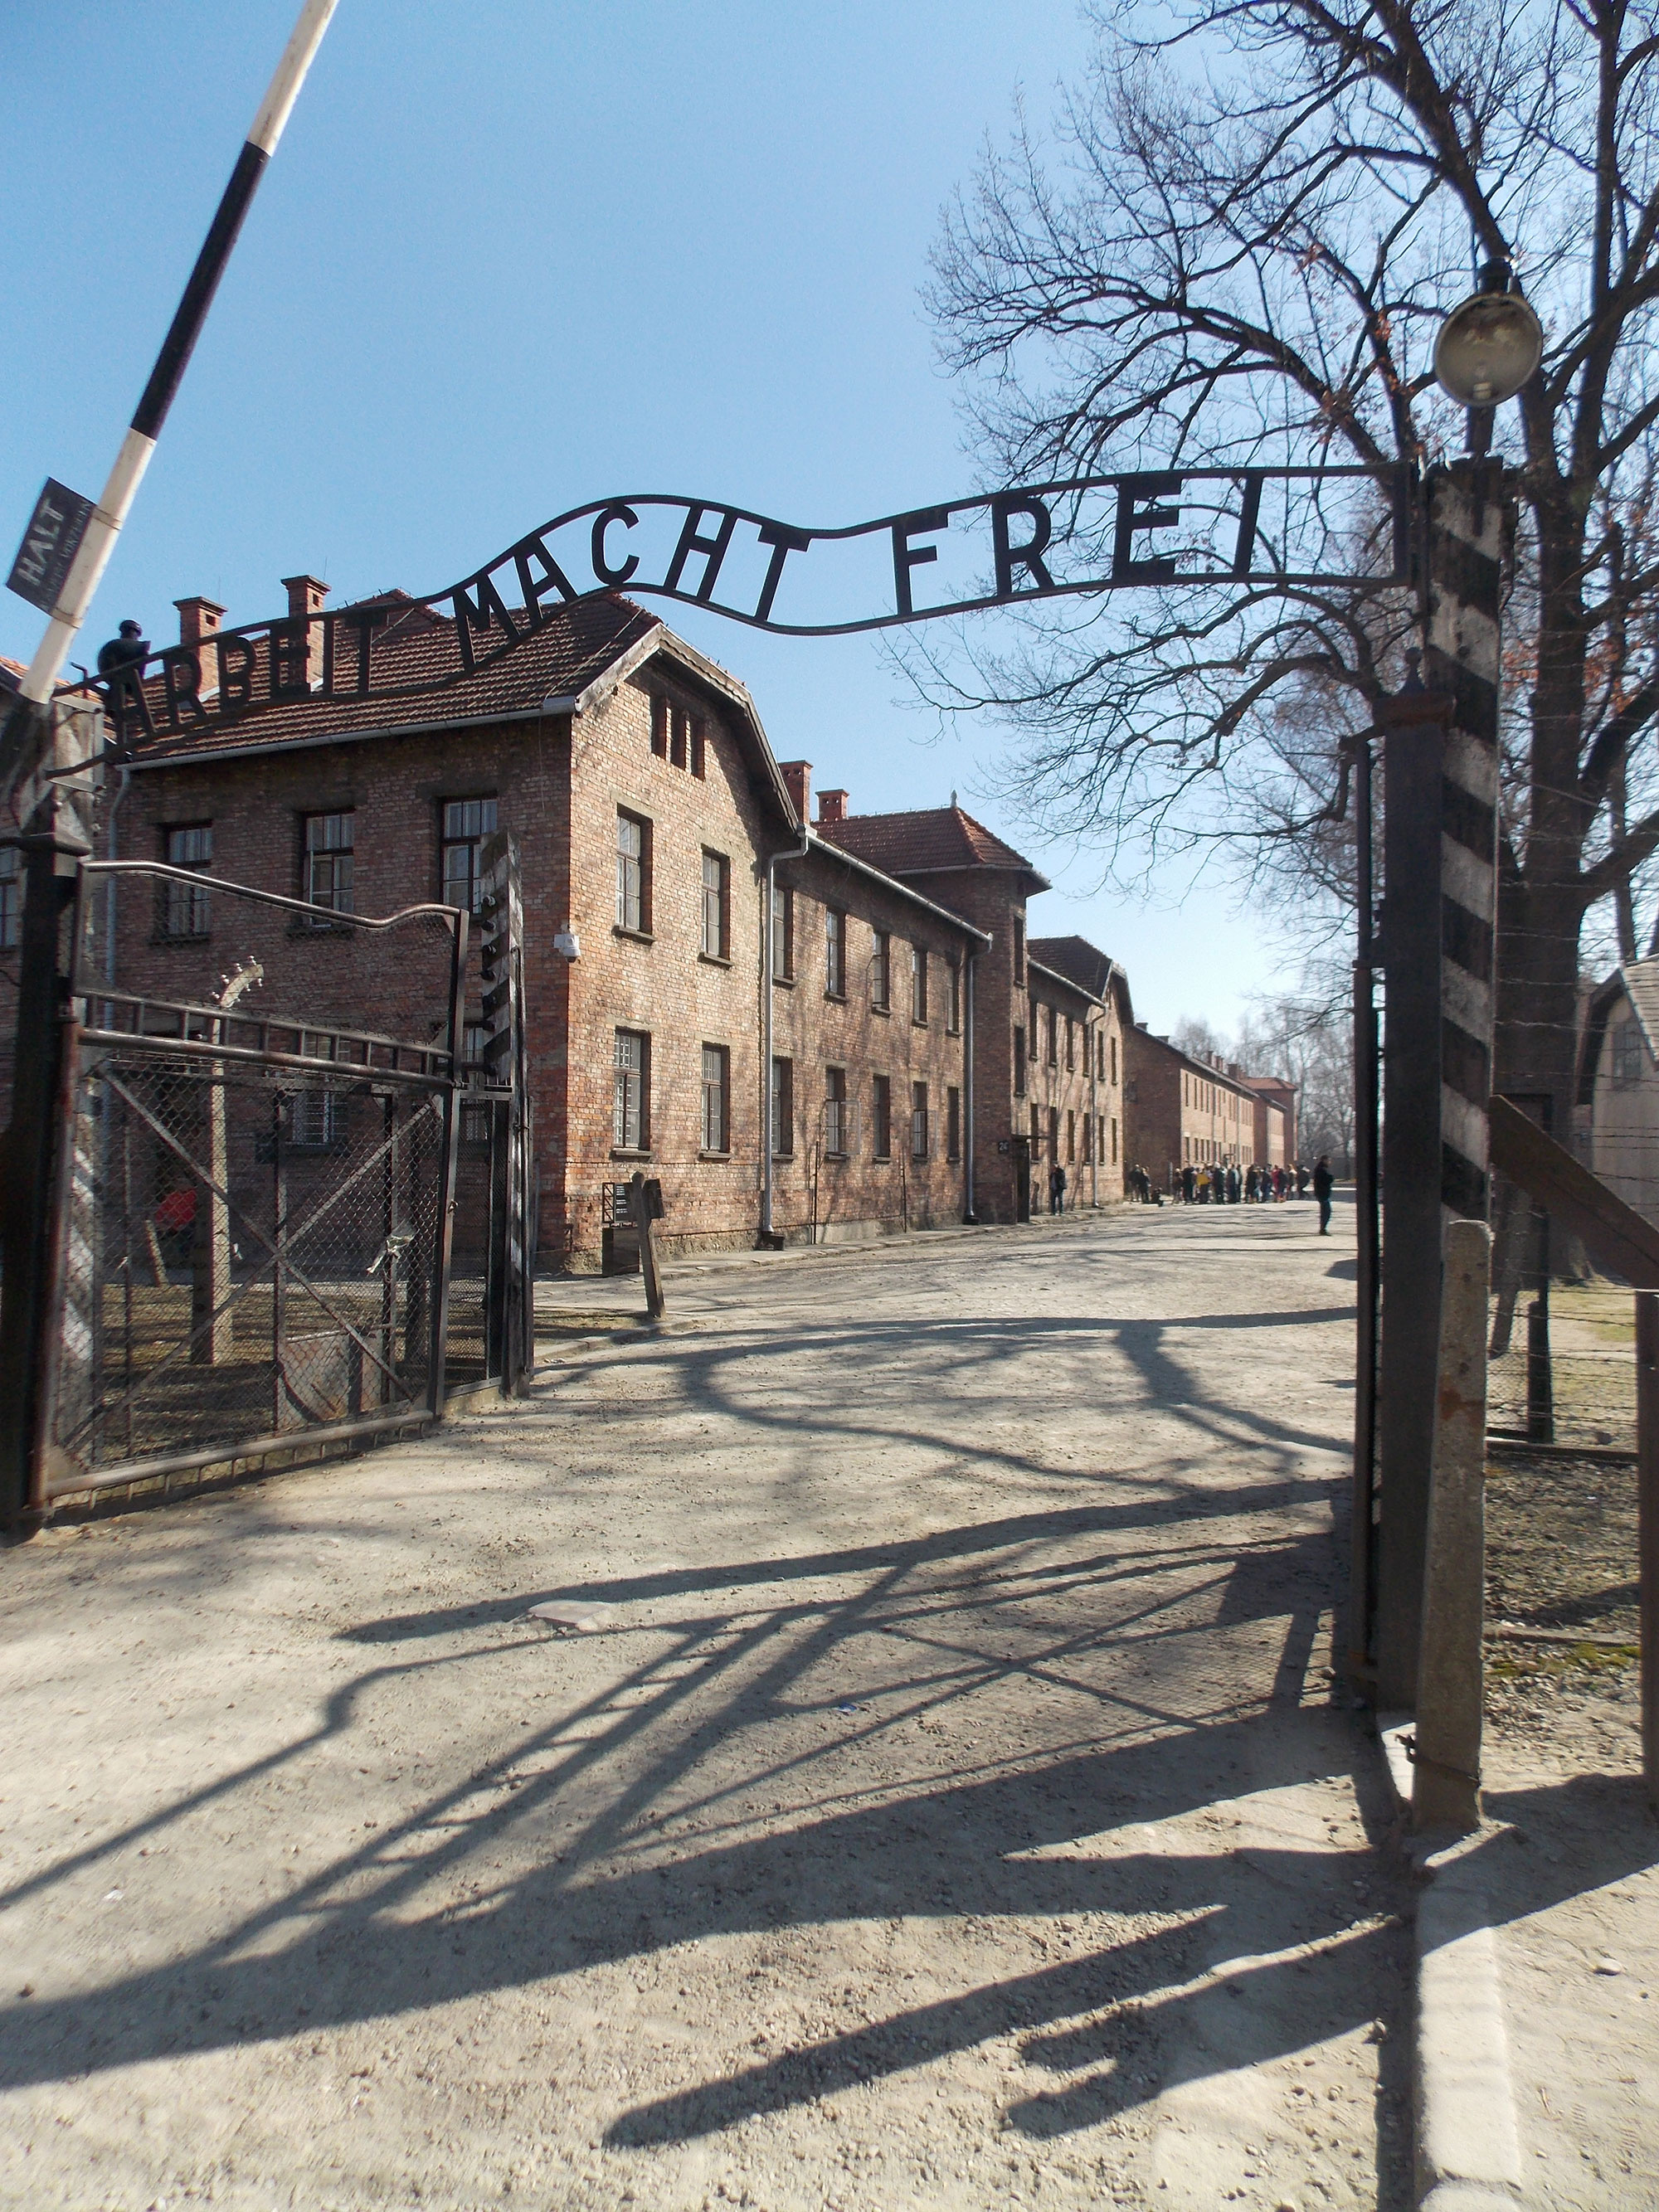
[{"x": 808, "y": 1026}]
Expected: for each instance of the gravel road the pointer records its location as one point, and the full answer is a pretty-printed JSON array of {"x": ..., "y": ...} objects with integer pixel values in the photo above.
[{"x": 940, "y": 1798}]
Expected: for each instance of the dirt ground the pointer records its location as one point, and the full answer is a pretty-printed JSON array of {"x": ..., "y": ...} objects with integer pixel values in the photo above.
[
  {"x": 938, "y": 1796},
  {"x": 1573, "y": 1868}
]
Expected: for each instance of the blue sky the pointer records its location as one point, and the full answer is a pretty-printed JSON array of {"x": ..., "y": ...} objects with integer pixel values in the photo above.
[{"x": 511, "y": 258}]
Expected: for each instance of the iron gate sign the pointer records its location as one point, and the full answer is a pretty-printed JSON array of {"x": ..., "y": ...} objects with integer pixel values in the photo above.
[{"x": 1268, "y": 529}]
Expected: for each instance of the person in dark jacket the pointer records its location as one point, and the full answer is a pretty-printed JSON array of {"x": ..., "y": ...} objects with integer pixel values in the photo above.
[{"x": 1322, "y": 1181}]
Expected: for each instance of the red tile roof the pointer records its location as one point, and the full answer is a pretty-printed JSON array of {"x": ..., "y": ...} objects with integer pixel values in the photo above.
[
  {"x": 1074, "y": 958},
  {"x": 574, "y": 647},
  {"x": 931, "y": 839}
]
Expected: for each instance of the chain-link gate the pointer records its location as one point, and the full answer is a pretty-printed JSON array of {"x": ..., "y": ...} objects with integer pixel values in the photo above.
[{"x": 259, "y": 1195}]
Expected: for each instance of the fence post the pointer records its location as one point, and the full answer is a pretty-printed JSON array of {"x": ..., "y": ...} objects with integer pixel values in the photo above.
[
  {"x": 1647, "y": 1506},
  {"x": 1446, "y": 1779}
]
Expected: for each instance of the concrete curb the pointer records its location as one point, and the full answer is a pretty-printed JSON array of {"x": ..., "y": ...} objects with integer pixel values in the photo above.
[{"x": 1468, "y": 2145}]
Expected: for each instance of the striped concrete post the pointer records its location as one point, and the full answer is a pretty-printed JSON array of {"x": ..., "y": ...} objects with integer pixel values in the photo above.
[
  {"x": 1439, "y": 931},
  {"x": 1471, "y": 506}
]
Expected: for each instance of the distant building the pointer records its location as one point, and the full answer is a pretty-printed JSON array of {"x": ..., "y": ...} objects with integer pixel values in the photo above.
[
  {"x": 1183, "y": 1111},
  {"x": 1616, "y": 1110}
]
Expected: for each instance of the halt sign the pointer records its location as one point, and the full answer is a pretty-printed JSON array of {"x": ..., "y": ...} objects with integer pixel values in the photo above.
[{"x": 49, "y": 545}]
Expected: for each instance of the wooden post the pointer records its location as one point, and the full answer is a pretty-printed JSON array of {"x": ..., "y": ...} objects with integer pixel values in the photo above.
[
  {"x": 641, "y": 1215},
  {"x": 1446, "y": 1780},
  {"x": 1647, "y": 1498}
]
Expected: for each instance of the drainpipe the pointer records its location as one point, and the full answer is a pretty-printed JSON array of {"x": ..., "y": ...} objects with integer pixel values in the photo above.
[
  {"x": 795, "y": 851},
  {"x": 1091, "y": 1046},
  {"x": 968, "y": 1214}
]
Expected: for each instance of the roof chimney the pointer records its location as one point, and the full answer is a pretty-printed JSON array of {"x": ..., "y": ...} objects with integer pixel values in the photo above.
[
  {"x": 198, "y": 621},
  {"x": 306, "y": 595},
  {"x": 798, "y": 780},
  {"x": 832, "y": 807}
]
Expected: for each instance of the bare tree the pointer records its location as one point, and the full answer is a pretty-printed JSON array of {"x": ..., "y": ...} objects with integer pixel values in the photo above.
[{"x": 1240, "y": 248}]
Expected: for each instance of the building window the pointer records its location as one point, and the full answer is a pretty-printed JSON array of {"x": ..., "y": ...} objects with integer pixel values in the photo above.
[
  {"x": 783, "y": 933},
  {"x": 783, "y": 1106},
  {"x": 185, "y": 911},
  {"x": 1054, "y": 1134},
  {"x": 1071, "y": 1138},
  {"x": 1071, "y": 1046},
  {"x": 467, "y": 823},
  {"x": 329, "y": 843},
  {"x": 677, "y": 723},
  {"x": 699, "y": 764},
  {"x": 1088, "y": 1140},
  {"x": 659, "y": 726},
  {"x": 837, "y": 1129},
  {"x": 316, "y": 1113},
  {"x": 835, "y": 953},
  {"x": 952, "y": 1122},
  {"x": 631, "y": 1125},
  {"x": 882, "y": 1117},
  {"x": 716, "y": 1098},
  {"x": 716, "y": 906},
  {"x": 918, "y": 983},
  {"x": 1054, "y": 1037},
  {"x": 918, "y": 1121},
  {"x": 11, "y": 897},
  {"x": 1019, "y": 956},
  {"x": 1113, "y": 1060},
  {"x": 633, "y": 874},
  {"x": 1036, "y": 1132},
  {"x": 474, "y": 1119},
  {"x": 1113, "y": 1137},
  {"x": 1019, "y": 1061},
  {"x": 881, "y": 972},
  {"x": 1626, "y": 1052},
  {"x": 954, "y": 1003}
]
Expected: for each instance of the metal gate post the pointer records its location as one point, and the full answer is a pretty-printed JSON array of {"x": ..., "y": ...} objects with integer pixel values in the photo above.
[
  {"x": 450, "y": 1149},
  {"x": 35, "y": 1148},
  {"x": 1362, "y": 1591}
]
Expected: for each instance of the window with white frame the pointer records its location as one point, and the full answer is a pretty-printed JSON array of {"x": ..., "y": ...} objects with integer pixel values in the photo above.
[
  {"x": 1627, "y": 1052},
  {"x": 11, "y": 897},
  {"x": 631, "y": 1125},
  {"x": 783, "y": 933},
  {"x": 185, "y": 910},
  {"x": 783, "y": 1108},
  {"x": 633, "y": 873},
  {"x": 716, "y": 906},
  {"x": 331, "y": 841},
  {"x": 316, "y": 1111},
  {"x": 837, "y": 1122},
  {"x": 918, "y": 983},
  {"x": 835, "y": 953},
  {"x": 716, "y": 1098},
  {"x": 918, "y": 1121},
  {"x": 881, "y": 971},
  {"x": 466, "y": 824}
]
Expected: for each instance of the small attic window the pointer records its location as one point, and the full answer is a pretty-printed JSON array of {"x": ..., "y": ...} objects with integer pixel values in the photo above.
[{"x": 677, "y": 736}]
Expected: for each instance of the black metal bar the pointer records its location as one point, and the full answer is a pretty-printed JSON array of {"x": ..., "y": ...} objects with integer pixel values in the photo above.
[
  {"x": 1413, "y": 742},
  {"x": 224, "y": 1455},
  {"x": 1362, "y": 1597},
  {"x": 192, "y": 312},
  {"x": 451, "y": 1148},
  {"x": 32, "y": 1159}
]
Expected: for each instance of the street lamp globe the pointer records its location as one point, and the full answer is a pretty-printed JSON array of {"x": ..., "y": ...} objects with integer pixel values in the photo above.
[{"x": 1487, "y": 348}]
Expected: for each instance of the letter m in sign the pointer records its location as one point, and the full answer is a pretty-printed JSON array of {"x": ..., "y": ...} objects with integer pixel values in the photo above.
[{"x": 49, "y": 545}]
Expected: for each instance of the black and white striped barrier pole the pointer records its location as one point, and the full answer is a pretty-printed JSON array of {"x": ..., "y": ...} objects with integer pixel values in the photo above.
[
  {"x": 1439, "y": 935},
  {"x": 23, "y": 748}
]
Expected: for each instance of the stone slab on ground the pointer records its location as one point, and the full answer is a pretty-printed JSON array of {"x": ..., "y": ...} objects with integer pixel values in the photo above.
[{"x": 952, "y": 1808}]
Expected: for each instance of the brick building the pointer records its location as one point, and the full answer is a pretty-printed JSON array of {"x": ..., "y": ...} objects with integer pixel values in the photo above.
[
  {"x": 646, "y": 804},
  {"x": 1047, "y": 1034},
  {"x": 1183, "y": 1111}
]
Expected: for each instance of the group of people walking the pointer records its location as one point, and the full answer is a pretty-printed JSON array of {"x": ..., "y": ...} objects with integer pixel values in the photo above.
[{"x": 1232, "y": 1186}]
